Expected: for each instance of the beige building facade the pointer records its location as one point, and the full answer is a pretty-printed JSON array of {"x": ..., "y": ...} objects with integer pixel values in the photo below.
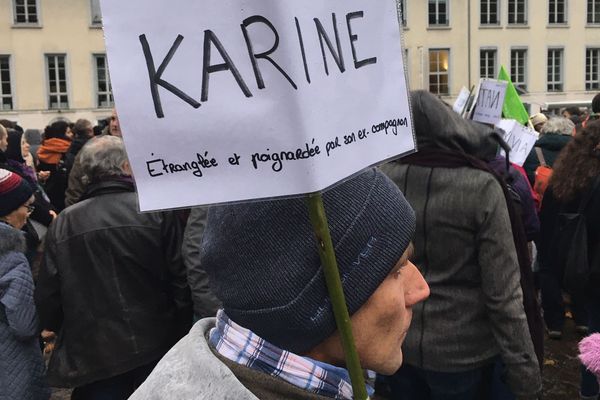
[
  {"x": 53, "y": 61},
  {"x": 551, "y": 48}
]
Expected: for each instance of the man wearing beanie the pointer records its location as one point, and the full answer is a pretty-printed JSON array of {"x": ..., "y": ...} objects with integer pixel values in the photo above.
[{"x": 276, "y": 337}]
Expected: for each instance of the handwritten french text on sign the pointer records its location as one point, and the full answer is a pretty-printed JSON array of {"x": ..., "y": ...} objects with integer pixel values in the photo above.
[
  {"x": 490, "y": 99},
  {"x": 234, "y": 100},
  {"x": 520, "y": 139}
]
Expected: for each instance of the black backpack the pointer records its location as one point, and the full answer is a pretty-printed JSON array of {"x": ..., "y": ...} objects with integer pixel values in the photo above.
[{"x": 572, "y": 240}]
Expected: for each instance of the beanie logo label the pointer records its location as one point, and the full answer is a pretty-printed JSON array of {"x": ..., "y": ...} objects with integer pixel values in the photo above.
[{"x": 366, "y": 252}]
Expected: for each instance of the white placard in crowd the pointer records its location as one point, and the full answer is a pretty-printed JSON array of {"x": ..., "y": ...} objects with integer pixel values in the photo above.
[
  {"x": 223, "y": 101},
  {"x": 520, "y": 139},
  {"x": 461, "y": 100},
  {"x": 489, "y": 102}
]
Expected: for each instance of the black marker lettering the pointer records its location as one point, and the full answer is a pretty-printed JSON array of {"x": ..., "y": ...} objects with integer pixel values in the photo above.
[
  {"x": 337, "y": 56},
  {"x": 207, "y": 68},
  {"x": 156, "y": 76},
  {"x": 151, "y": 169},
  {"x": 354, "y": 38},
  {"x": 264, "y": 55},
  {"x": 301, "y": 41}
]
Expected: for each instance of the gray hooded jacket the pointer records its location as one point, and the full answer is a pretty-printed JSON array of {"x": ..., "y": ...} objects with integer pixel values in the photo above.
[
  {"x": 464, "y": 248},
  {"x": 191, "y": 370}
]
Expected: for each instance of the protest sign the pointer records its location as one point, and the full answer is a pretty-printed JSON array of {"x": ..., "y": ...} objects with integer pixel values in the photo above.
[
  {"x": 520, "y": 139},
  {"x": 490, "y": 98},
  {"x": 461, "y": 100},
  {"x": 239, "y": 100}
]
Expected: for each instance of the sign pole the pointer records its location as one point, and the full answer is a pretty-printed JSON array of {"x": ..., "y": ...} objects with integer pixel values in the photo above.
[{"x": 318, "y": 219}]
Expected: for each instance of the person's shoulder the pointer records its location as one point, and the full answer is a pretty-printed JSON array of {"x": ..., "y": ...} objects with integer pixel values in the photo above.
[
  {"x": 190, "y": 370},
  {"x": 11, "y": 240}
]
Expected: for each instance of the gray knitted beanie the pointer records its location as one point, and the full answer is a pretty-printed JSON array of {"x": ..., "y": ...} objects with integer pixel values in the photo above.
[{"x": 263, "y": 263}]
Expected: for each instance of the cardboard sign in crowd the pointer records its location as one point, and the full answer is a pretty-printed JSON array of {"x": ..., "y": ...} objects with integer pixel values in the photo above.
[
  {"x": 238, "y": 100},
  {"x": 487, "y": 107}
]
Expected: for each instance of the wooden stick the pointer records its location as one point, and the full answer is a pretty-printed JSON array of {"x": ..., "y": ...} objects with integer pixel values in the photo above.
[{"x": 318, "y": 218}]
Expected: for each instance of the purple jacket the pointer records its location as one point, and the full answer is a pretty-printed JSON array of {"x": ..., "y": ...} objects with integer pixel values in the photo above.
[{"x": 519, "y": 184}]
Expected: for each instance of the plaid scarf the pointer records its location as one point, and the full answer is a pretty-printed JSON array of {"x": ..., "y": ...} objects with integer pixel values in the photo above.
[{"x": 246, "y": 348}]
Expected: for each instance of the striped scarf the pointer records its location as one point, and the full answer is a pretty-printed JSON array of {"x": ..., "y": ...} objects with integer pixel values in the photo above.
[{"x": 244, "y": 347}]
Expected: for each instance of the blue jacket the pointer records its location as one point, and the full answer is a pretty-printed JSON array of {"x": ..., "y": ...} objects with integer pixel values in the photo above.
[{"x": 21, "y": 363}]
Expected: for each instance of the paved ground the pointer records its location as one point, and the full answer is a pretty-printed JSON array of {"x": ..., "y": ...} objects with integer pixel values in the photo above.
[{"x": 561, "y": 371}]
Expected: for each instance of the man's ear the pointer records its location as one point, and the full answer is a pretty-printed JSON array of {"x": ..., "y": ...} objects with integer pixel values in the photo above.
[{"x": 127, "y": 168}]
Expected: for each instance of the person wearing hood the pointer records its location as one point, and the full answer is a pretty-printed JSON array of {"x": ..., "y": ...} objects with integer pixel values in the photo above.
[
  {"x": 465, "y": 250},
  {"x": 21, "y": 363},
  {"x": 554, "y": 136},
  {"x": 50, "y": 154}
]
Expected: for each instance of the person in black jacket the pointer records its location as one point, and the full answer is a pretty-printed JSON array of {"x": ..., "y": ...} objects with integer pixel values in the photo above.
[
  {"x": 82, "y": 132},
  {"x": 112, "y": 284},
  {"x": 576, "y": 175}
]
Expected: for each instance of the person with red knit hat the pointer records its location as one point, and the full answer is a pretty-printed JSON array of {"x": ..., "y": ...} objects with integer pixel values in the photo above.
[{"x": 22, "y": 367}]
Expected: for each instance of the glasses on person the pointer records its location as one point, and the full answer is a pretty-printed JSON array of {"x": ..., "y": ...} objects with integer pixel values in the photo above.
[{"x": 30, "y": 208}]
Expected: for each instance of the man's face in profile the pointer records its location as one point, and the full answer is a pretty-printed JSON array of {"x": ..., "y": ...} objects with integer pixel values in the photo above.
[{"x": 114, "y": 126}]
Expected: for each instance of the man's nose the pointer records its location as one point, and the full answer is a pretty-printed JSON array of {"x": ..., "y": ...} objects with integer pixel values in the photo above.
[{"x": 418, "y": 289}]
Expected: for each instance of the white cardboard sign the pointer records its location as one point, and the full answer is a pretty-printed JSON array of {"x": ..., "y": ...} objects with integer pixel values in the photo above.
[
  {"x": 520, "y": 139},
  {"x": 461, "y": 100},
  {"x": 233, "y": 100},
  {"x": 490, "y": 99}
]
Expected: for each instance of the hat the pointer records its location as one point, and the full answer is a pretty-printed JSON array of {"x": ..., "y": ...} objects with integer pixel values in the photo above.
[
  {"x": 14, "y": 192},
  {"x": 538, "y": 118},
  {"x": 263, "y": 263}
]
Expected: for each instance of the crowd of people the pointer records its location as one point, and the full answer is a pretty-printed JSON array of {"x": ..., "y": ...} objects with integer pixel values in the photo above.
[{"x": 453, "y": 261}]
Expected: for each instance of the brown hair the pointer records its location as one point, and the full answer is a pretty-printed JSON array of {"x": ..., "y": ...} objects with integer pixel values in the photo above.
[{"x": 577, "y": 164}]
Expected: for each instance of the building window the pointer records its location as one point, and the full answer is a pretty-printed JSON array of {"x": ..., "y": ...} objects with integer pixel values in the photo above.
[
  {"x": 58, "y": 97},
  {"x": 557, "y": 12},
  {"x": 592, "y": 63},
  {"x": 438, "y": 71},
  {"x": 6, "y": 100},
  {"x": 489, "y": 12},
  {"x": 487, "y": 64},
  {"x": 517, "y": 12},
  {"x": 518, "y": 68},
  {"x": 95, "y": 12},
  {"x": 26, "y": 11},
  {"x": 402, "y": 4},
  {"x": 104, "y": 97},
  {"x": 593, "y": 12},
  {"x": 555, "y": 68},
  {"x": 438, "y": 12}
]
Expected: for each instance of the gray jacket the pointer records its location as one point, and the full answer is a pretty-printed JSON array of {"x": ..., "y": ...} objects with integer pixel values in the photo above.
[
  {"x": 190, "y": 370},
  {"x": 76, "y": 187},
  {"x": 21, "y": 365},
  {"x": 464, "y": 248}
]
